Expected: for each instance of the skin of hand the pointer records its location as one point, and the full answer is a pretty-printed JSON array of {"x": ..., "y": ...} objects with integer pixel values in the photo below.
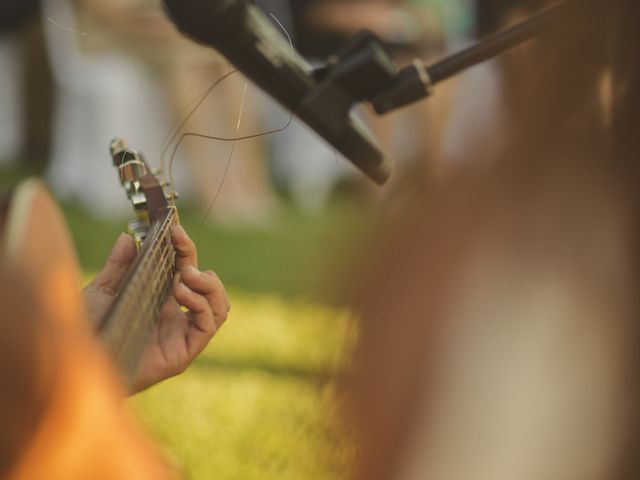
[{"x": 178, "y": 336}]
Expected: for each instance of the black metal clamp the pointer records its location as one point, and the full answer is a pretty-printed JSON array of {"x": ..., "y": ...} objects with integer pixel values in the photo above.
[{"x": 364, "y": 71}]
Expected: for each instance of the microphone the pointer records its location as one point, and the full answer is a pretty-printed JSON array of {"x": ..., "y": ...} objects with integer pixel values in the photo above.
[{"x": 245, "y": 36}]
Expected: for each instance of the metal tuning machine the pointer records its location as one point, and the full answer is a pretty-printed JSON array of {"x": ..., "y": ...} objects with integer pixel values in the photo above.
[{"x": 147, "y": 189}]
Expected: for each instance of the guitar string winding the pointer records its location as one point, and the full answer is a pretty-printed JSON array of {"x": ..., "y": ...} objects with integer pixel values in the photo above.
[
  {"x": 228, "y": 165},
  {"x": 197, "y": 102},
  {"x": 65, "y": 27},
  {"x": 130, "y": 62},
  {"x": 225, "y": 139},
  {"x": 181, "y": 122}
]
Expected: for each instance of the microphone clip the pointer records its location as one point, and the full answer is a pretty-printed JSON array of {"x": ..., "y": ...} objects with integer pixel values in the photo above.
[
  {"x": 364, "y": 71},
  {"x": 361, "y": 71}
]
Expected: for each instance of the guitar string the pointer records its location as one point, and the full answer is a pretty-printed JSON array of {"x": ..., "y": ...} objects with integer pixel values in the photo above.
[
  {"x": 225, "y": 139},
  {"x": 228, "y": 164},
  {"x": 164, "y": 228},
  {"x": 161, "y": 277},
  {"x": 174, "y": 131},
  {"x": 146, "y": 312},
  {"x": 66, "y": 28},
  {"x": 181, "y": 120},
  {"x": 222, "y": 139},
  {"x": 151, "y": 300},
  {"x": 199, "y": 100},
  {"x": 179, "y": 124},
  {"x": 233, "y": 146},
  {"x": 130, "y": 61},
  {"x": 162, "y": 252},
  {"x": 154, "y": 285},
  {"x": 143, "y": 277},
  {"x": 158, "y": 254}
]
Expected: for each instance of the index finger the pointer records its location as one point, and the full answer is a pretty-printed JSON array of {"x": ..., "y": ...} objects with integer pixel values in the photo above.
[{"x": 186, "y": 252}]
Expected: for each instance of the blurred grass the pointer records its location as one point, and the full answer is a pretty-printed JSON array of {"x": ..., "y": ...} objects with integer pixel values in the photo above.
[
  {"x": 262, "y": 401},
  {"x": 298, "y": 255}
]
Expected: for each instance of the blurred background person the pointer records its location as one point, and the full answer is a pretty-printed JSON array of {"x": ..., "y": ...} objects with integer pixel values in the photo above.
[
  {"x": 323, "y": 27},
  {"x": 535, "y": 218},
  {"x": 25, "y": 93},
  {"x": 500, "y": 329},
  {"x": 122, "y": 70},
  {"x": 10, "y": 92},
  {"x": 484, "y": 90}
]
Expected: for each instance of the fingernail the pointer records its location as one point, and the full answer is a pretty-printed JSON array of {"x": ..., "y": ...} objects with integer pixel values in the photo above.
[
  {"x": 179, "y": 229},
  {"x": 122, "y": 238},
  {"x": 122, "y": 245},
  {"x": 184, "y": 287}
]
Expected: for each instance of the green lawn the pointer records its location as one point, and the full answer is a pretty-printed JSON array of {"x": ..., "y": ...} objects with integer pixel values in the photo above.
[
  {"x": 262, "y": 400},
  {"x": 297, "y": 256}
]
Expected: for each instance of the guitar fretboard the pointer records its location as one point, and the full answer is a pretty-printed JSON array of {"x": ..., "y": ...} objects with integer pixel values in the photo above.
[{"x": 126, "y": 327}]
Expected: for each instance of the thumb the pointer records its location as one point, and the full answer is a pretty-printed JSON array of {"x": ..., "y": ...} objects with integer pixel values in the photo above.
[{"x": 122, "y": 255}]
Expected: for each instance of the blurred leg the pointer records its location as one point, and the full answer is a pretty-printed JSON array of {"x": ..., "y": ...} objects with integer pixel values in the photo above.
[{"x": 246, "y": 195}]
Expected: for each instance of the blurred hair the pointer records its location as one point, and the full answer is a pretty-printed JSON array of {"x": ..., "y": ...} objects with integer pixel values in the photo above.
[
  {"x": 490, "y": 14},
  {"x": 543, "y": 241}
]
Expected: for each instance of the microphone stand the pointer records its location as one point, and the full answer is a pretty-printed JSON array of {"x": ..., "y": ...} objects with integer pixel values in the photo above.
[
  {"x": 362, "y": 71},
  {"x": 365, "y": 71}
]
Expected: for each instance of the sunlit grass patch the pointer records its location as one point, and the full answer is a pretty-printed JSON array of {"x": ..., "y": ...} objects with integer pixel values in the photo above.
[{"x": 261, "y": 401}]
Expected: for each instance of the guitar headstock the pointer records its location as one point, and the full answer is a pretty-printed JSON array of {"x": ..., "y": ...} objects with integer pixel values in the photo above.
[{"x": 146, "y": 188}]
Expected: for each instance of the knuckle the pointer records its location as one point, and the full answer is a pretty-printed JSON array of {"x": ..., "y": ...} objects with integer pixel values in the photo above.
[
  {"x": 184, "y": 245},
  {"x": 200, "y": 304},
  {"x": 211, "y": 274},
  {"x": 221, "y": 316},
  {"x": 226, "y": 306},
  {"x": 180, "y": 369},
  {"x": 214, "y": 278},
  {"x": 179, "y": 290},
  {"x": 210, "y": 331}
]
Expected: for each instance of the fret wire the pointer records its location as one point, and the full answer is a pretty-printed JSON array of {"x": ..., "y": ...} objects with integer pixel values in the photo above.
[
  {"x": 145, "y": 276},
  {"x": 161, "y": 256},
  {"x": 160, "y": 281},
  {"x": 151, "y": 307},
  {"x": 164, "y": 230},
  {"x": 154, "y": 284},
  {"x": 144, "y": 270}
]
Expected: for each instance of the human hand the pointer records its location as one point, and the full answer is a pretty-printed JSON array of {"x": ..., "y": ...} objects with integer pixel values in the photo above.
[{"x": 178, "y": 336}]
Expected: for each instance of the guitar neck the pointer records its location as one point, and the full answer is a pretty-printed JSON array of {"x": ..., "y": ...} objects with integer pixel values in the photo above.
[{"x": 125, "y": 329}]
